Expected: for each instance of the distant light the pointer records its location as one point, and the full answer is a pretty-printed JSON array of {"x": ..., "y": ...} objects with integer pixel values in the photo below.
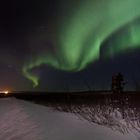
[{"x": 6, "y": 92}]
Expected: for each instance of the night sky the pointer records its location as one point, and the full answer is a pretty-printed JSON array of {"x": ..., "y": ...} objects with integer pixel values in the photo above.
[{"x": 68, "y": 45}]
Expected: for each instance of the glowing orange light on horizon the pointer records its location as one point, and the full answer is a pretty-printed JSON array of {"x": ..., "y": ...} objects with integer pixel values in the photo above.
[{"x": 6, "y": 92}]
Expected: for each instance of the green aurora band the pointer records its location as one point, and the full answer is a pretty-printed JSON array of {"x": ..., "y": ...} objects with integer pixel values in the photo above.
[{"x": 79, "y": 36}]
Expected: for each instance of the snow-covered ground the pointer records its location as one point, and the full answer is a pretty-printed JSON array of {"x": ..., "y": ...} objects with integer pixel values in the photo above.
[{"x": 22, "y": 120}]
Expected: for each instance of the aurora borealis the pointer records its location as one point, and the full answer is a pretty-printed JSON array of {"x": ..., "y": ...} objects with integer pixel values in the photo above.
[
  {"x": 79, "y": 37},
  {"x": 70, "y": 35}
]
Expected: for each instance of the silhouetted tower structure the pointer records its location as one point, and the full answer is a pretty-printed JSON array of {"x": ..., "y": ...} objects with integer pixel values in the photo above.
[{"x": 117, "y": 85}]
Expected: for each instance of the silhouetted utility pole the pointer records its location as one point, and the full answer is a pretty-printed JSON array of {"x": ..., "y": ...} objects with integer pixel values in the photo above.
[{"x": 117, "y": 85}]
